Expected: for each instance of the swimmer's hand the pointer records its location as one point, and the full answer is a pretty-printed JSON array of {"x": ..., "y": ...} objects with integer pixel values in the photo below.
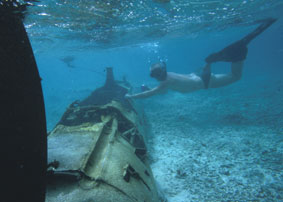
[
  {"x": 128, "y": 96},
  {"x": 144, "y": 88}
]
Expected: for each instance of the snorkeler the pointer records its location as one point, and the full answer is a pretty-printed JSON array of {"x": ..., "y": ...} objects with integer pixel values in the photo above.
[{"x": 235, "y": 53}]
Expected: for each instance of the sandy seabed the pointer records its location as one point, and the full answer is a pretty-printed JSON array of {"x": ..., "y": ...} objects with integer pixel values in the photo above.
[{"x": 219, "y": 144}]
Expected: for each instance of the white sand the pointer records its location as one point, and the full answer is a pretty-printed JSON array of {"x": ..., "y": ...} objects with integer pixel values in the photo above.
[{"x": 218, "y": 145}]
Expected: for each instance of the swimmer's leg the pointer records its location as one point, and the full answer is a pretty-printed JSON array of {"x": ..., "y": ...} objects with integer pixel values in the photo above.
[
  {"x": 205, "y": 75},
  {"x": 220, "y": 80},
  {"x": 238, "y": 50},
  {"x": 236, "y": 70}
]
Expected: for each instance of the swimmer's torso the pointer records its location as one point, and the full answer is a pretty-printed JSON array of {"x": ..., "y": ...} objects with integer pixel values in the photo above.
[{"x": 183, "y": 83}]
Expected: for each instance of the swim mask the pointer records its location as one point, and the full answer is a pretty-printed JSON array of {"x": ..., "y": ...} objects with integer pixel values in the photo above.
[{"x": 159, "y": 71}]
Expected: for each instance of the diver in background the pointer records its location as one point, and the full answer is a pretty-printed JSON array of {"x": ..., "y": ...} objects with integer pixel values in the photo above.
[{"x": 235, "y": 53}]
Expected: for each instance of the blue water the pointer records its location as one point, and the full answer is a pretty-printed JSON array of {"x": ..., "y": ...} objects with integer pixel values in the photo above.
[
  {"x": 62, "y": 84},
  {"x": 182, "y": 34}
]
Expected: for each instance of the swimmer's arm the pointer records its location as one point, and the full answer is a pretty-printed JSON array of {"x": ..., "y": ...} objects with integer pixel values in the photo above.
[{"x": 154, "y": 91}]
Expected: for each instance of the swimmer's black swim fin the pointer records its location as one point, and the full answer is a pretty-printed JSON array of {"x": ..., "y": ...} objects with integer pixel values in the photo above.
[{"x": 238, "y": 50}]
